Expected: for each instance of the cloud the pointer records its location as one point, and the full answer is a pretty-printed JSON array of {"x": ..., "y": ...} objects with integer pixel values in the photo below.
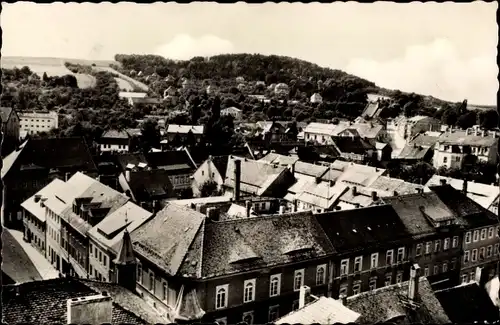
[
  {"x": 435, "y": 69},
  {"x": 183, "y": 47}
]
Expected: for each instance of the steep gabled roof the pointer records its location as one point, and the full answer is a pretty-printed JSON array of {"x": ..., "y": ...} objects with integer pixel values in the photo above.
[{"x": 5, "y": 113}]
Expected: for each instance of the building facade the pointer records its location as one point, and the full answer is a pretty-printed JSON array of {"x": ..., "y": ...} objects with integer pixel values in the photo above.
[{"x": 36, "y": 122}]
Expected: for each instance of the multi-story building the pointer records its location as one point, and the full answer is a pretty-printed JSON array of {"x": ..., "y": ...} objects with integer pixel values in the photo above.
[
  {"x": 436, "y": 235},
  {"x": 34, "y": 165},
  {"x": 105, "y": 239},
  {"x": 480, "y": 242},
  {"x": 114, "y": 140},
  {"x": 248, "y": 269},
  {"x": 455, "y": 148},
  {"x": 322, "y": 133},
  {"x": 10, "y": 129},
  {"x": 36, "y": 122},
  {"x": 181, "y": 133},
  {"x": 409, "y": 127},
  {"x": 372, "y": 249}
]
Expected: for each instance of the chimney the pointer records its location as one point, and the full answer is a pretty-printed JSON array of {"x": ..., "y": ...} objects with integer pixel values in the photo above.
[
  {"x": 37, "y": 198},
  {"x": 476, "y": 132},
  {"x": 292, "y": 168},
  {"x": 213, "y": 214},
  {"x": 318, "y": 180},
  {"x": 95, "y": 309},
  {"x": 237, "y": 179},
  {"x": 477, "y": 275},
  {"x": 332, "y": 183},
  {"x": 396, "y": 193},
  {"x": 374, "y": 196},
  {"x": 464, "y": 187},
  {"x": 127, "y": 175},
  {"x": 420, "y": 190},
  {"x": 442, "y": 181},
  {"x": 414, "y": 282},
  {"x": 282, "y": 209},
  {"x": 295, "y": 205},
  {"x": 305, "y": 292},
  {"x": 248, "y": 206},
  {"x": 343, "y": 299},
  {"x": 354, "y": 191}
]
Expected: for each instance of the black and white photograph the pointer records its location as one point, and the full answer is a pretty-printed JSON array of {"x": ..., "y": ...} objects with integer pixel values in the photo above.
[{"x": 249, "y": 163}]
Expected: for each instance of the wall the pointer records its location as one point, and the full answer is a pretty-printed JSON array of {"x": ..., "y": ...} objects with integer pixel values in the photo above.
[
  {"x": 38, "y": 122},
  {"x": 114, "y": 147},
  {"x": 100, "y": 260},
  {"x": 36, "y": 230},
  {"x": 206, "y": 172},
  {"x": 491, "y": 241}
]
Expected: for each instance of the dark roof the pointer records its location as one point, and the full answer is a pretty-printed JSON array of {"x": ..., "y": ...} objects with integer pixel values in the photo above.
[
  {"x": 15, "y": 262},
  {"x": 410, "y": 209},
  {"x": 126, "y": 250},
  {"x": 55, "y": 153},
  {"x": 424, "y": 140},
  {"x": 470, "y": 213},
  {"x": 467, "y": 304},
  {"x": 220, "y": 162},
  {"x": 171, "y": 160},
  {"x": 358, "y": 229},
  {"x": 44, "y": 302},
  {"x": 239, "y": 245},
  {"x": 5, "y": 113},
  {"x": 148, "y": 185},
  {"x": 354, "y": 145},
  {"x": 130, "y": 158},
  {"x": 413, "y": 151},
  {"x": 387, "y": 303}
]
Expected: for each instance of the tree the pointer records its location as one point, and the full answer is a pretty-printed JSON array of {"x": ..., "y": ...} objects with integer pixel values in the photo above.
[
  {"x": 216, "y": 108},
  {"x": 449, "y": 117},
  {"x": 150, "y": 135},
  {"x": 195, "y": 112},
  {"x": 190, "y": 139},
  {"x": 209, "y": 188},
  {"x": 488, "y": 119},
  {"x": 467, "y": 120}
]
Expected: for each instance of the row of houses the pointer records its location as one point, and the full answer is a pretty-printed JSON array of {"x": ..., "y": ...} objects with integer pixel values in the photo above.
[{"x": 217, "y": 265}]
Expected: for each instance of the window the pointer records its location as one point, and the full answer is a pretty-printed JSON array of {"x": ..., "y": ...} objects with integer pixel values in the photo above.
[
  {"x": 418, "y": 250},
  {"x": 95, "y": 252},
  {"x": 482, "y": 253},
  {"x": 426, "y": 271},
  {"x": 356, "y": 289},
  {"x": 249, "y": 291},
  {"x": 274, "y": 289},
  {"x": 453, "y": 262},
  {"x": 466, "y": 256},
  {"x": 401, "y": 254},
  {"x": 248, "y": 317},
  {"x": 273, "y": 313},
  {"x": 445, "y": 160},
  {"x": 464, "y": 278},
  {"x": 437, "y": 245},
  {"x": 445, "y": 267},
  {"x": 165, "y": 291},
  {"x": 320, "y": 274},
  {"x": 139, "y": 273},
  {"x": 436, "y": 269},
  {"x": 344, "y": 267},
  {"x": 221, "y": 321},
  {"x": 483, "y": 234},
  {"x": 91, "y": 249},
  {"x": 221, "y": 296},
  {"x": 358, "y": 264},
  {"x": 455, "y": 242},
  {"x": 374, "y": 261},
  {"x": 472, "y": 276},
  {"x": 389, "y": 257},
  {"x": 495, "y": 249},
  {"x": 488, "y": 251},
  {"x": 151, "y": 282},
  {"x": 388, "y": 280},
  {"x": 373, "y": 284},
  {"x": 446, "y": 244},
  {"x": 343, "y": 291},
  {"x": 298, "y": 279},
  {"x": 105, "y": 260},
  {"x": 474, "y": 255},
  {"x": 490, "y": 232},
  {"x": 476, "y": 236},
  {"x": 399, "y": 278},
  {"x": 428, "y": 247}
]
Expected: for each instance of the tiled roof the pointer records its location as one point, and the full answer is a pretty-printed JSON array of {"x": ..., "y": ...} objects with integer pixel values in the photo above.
[
  {"x": 469, "y": 212},
  {"x": 69, "y": 152},
  {"x": 147, "y": 185},
  {"x": 483, "y": 194},
  {"x": 461, "y": 138},
  {"x": 9, "y": 161},
  {"x": 130, "y": 159},
  {"x": 354, "y": 145},
  {"x": 116, "y": 134},
  {"x": 310, "y": 169},
  {"x": 220, "y": 162},
  {"x": 171, "y": 160},
  {"x": 392, "y": 185},
  {"x": 322, "y": 311},
  {"x": 413, "y": 209},
  {"x": 322, "y": 128},
  {"x": 383, "y": 304},
  {"x": 256, "y": 177},
  {"x": 413, "y": 151},
  {"x": 36, "y": 208},
  {"x": 15, "y": 262},
  {"x": 276, "y": 158},
  {"x": 5, "y": 113},
  {"x": 109, "y": 232},
  {"x": 233, "y": 246},
  {"x": 371, "y": 110},
  {"x": 355, "y": 174},
  {"x": 46, "y": 302},
  {"x": 358, "y": 229},
  {"x": 168, "y": 252},
  {"x": 322, "y": 194},
  {"x": 195, "y": 129},
  {"x": 468, "y": 303}
]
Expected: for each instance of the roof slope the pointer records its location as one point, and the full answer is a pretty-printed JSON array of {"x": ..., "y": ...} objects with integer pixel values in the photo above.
[
  {"x": 383, "y": 304},
  {"x": 35, "y": 207},
  {"x": 5, "y": 113},
  {"x": 464, "y": 139},
  {"x": 180, "y": 223},
  {"x": 364, "y": 228},
  {"x": 220, "y": 162},
  {"x": 468, "y": 303},
  {"x": 46, "y": 302}
]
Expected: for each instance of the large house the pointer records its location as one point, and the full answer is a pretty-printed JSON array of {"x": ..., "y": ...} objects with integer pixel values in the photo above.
[
  {"x": 456, "y": 148},
  {"x": 35, "y": 164},
  {"x": 180, "y": 133},
  {"x": 410, "y": 127},
  {"x": 36, "y": 122},
  {"x": 321, "y": 133},
  {"x": 115, "y": 140},
  {"x": 10, "y": 129}
]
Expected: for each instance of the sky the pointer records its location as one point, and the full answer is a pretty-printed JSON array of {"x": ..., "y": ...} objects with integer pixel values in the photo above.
[{"x": 447, "y": 50}]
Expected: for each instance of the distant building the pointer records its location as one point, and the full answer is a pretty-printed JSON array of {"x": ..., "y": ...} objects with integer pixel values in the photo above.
[
  {"x": 418, "y": 148},
  {"x": 233, "y": 111},
  {"x": 281, "y": 90},
  {"x": 316, "y": 98},
  {"x": 455, "y": 148},
  {"x": 322, "y": 133},
  {"x": 410, "y": 127},
  {"x": 36, "y": 122},
  {"x": 10, "y": 129},
  {"x": 240, "y": 79},
  {"x": 134, "y": 98},
  {"x": 180, "y": 132},
  {"x": 115, "y": 140},
  {"x": 212, "y": 170}
]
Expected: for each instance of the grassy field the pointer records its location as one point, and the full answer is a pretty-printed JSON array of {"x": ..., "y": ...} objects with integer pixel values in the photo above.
[{"x": 136, "y": 85}]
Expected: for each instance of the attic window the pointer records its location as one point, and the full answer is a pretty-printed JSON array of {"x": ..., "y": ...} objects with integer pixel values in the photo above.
[
  {"x": 368, "y": 228},
  {"x": 354, "y": 231}
]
